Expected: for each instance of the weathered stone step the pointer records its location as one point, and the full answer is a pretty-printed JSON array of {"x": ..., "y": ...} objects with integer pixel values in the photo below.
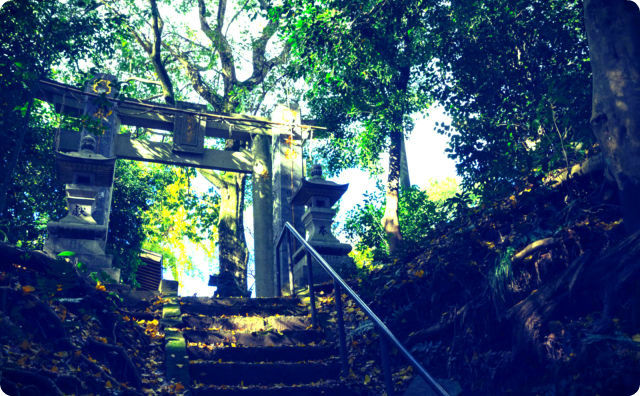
[
  {"x": 242, "y": 306},
  {"x": 262, "y": 373},
  {"x": 261, "y": 354},
  {"x": 247, "y": 323},
  {"x": 325, "y": 388},
  {"x": 254, "y": 339}
]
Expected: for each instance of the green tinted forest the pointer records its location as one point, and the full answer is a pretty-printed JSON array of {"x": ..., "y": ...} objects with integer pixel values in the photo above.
[{"x": 517, "y": 277}]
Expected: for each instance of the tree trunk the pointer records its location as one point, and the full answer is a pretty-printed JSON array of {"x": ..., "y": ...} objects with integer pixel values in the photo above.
[
  {"x": 405, "y": 180},
  {"x": 232, "y": 246},
  {"x": 233, "y": 254},
  {"x": 390, "y": 221},
  {"x": 613, "y": 31}
]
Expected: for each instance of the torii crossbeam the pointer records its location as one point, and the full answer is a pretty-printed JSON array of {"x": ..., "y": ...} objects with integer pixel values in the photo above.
[{"x": 272, "y": 141}]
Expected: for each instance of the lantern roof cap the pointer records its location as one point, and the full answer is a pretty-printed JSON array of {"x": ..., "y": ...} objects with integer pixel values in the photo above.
[{"x": 317, "y": 186}]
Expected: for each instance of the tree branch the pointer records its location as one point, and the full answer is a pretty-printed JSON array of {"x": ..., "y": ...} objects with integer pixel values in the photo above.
[
  {"x": 142, "y": 80},
  {"x": 220, "y": 43},
  {"x": 212, "y": 177},
  {"x": 156, "y": 52},
  {"x": 199, "y": 85}
]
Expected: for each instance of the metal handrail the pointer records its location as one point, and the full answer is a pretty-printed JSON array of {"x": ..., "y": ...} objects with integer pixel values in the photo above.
[{"x": 339, "y": 284}]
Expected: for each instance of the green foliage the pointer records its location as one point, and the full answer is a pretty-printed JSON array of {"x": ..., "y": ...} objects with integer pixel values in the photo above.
[
  {"x": 34, "y": 35},
  {"x": 516, "y": 82},
  {"x": 367, "y": 69},
  {"x": 419, "y": 210},
  {"x": 154, "y": 209}
]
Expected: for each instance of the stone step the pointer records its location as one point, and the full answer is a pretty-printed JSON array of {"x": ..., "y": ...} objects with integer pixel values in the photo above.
[
  {"x": 270, "y": 338},
  {"x": 238, "y": 373},
  {"x": 246, "y": 323},
  {"x": 332, "y": 388},
  {"x": 242, "y": 306},
  {"x": 261, "y": 354}
]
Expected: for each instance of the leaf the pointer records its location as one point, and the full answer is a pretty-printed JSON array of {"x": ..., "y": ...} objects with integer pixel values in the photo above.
[
  {"x": 66, "y": 253},
  {"x": 108, "y": 385},
  {"x": 24, "y": 345},
  {"x": 28, "y": 289},
  {"x": 179, "y": 387},
  {"x": 367, "y": 379}
]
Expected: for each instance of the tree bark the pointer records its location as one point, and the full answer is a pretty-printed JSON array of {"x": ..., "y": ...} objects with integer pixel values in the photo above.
[
  {"x": 405, "y": 180},
  {"x": 613, "y": 31},
  {"x": 390, "y": 220},
  {"x": 232, "y": 246}
]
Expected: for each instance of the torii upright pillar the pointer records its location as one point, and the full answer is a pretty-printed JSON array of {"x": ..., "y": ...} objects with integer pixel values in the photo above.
[
  {"x": 287, "y": 176},
  {"x": 262, "y": 216}
]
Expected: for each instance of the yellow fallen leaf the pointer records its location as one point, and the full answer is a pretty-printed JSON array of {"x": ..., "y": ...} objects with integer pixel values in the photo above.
[
  {"x": 100, "y": 287},
  {"x": 28, "y": 289},
  {"x": 179, "y": 387},
  {"x": 24, "y": 345},
  {"x": 367, "y": 379},
  {"x": 108, "y": 385},
  {"x": 636, "y": 337}
]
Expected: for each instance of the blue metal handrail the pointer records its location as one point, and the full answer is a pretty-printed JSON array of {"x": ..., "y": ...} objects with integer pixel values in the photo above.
[{"x": 339, "y": 284}]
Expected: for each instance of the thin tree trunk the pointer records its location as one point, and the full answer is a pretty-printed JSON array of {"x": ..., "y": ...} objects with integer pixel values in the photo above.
[
  {"x": 390, "y": 220},
  {"x": 613, "y": 31},
  {"x": 7, "y": 178},
  {"x": 405, "y": 180}
]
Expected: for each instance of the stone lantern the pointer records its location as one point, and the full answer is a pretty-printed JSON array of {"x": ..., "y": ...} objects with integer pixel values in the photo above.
[
  {"x": 87, "y": 176},
  {"x": 319, "y": 195}
]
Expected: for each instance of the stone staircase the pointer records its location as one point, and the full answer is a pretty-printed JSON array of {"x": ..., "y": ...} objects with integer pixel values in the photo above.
[{"x": 262, "y": 346}]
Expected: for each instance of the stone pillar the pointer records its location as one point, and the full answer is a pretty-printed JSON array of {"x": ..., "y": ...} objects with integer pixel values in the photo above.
[
  {"x": 287, "y": 175},
  {"x": 263, "y": 217}
]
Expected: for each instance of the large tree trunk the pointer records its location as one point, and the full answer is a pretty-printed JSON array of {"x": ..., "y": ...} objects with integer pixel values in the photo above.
[
  {"x": 613, "y": 31},
  {"x": 390, "y": 220},
  {"x": 231, "y": 240},
  {"x": 232, "y": 246}
]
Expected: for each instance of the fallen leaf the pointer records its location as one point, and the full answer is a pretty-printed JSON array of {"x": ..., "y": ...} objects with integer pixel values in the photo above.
[{"x": 28, "y": 289}]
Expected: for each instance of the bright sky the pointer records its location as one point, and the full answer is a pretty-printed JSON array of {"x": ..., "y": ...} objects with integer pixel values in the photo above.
[{"x": 427, "y": 161}]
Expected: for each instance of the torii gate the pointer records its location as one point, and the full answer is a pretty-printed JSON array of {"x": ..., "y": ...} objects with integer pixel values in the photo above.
[{"x": 275, "y": 145}]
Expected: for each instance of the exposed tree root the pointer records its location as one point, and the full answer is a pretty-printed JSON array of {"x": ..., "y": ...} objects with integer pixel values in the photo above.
[
  {"x": 121, "y": 365},
  {"x": 585, "y": 168},
  {"x": 533, "y": 247},
  {"x": 43, "y": 385},
  {"x": 583, "y": 282}
]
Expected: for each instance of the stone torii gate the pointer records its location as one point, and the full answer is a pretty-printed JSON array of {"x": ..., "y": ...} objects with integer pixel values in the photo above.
[{"x": 86, "y": 164}]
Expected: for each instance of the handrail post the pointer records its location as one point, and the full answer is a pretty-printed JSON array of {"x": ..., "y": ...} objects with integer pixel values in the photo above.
[
  {"x": 337, "y": 292},
  {"x": 386, "y": 365},
  {"x": 312, "y": 297},
  {"x": 292, "y": 289},
  {"x": 278, "y": 268}
]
